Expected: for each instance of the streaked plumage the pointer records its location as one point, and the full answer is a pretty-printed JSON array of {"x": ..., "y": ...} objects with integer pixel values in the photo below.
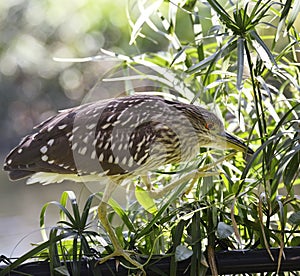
[{"x": 116, "y": 137}]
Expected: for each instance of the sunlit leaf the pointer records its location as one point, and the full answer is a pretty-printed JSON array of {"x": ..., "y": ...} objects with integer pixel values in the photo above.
[
  {"x": 212, "y": 59},
  {"x": 145, "y": 15},
  {"x": 294, "y": 13},
  {"x": 263, "y": 51},
  {"x": 292, "y": 169},
  {"x": 224, "y": 230},
  {"x": 240, "y": 62},
  {"x": 294, "y": 218},
  {"x": 295, "y": 241},
  {"x": 225, "y": 17},
  {"x": 182, "y": 253},
  {"x": 145, "y": 200},
  {"x": 121, "y": 213}
]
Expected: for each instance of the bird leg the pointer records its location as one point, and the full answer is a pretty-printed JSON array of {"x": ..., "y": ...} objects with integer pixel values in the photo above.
[
  {"x": 193, "y": 175},
  {"x": 102, "y": 215}
]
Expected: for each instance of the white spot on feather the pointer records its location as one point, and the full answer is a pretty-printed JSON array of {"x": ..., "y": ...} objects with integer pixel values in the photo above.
[
  {"x": 115, "y": 123},
  {"x": 44, "y": 158},
  {"x": 110, "y": 117},
  {"x": 140, "y": 161},
  {"x": 43, "y": 149},
  {"x": 101, "y": 157},
  {"x": 82, "y": 151},
  {"x": 91, "y": 126},
  {"x": 130, "y": 162},
  {"x": 94, "y": 143},
  {"x": 85, "y": 139},
  {"x": 113, "y": 146},
  {"x": 93, "y": 155},
  {"x": 106, "y": 146},
  {"x": 106, "y": 126},
  {"x": 50, "y": 142},
  {"x": 74, "y": 146},
  {"x": 124, "y": 160},
  {"x": 75, "y": 129},
  {"x": 49, "y": 129},
  {"x": 125, "y": 122},
  {"x": 62, "y": 126},
  {"x": 110, "y": 159}
]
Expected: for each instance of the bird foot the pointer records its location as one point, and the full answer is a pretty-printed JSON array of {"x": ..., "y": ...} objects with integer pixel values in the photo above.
[{"x": 126, "y": 255}]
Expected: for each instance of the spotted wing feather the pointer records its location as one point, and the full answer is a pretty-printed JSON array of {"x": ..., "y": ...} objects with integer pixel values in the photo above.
[{"x": 90, "y": 139}]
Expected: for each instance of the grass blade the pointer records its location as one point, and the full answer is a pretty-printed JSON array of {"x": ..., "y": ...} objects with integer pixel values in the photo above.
[
  {"x": 262, "y": 50},
  {"x": 145, "y": 15},
  {"x": 240, "y": 62},
  {"x": 119, "y": 210}
]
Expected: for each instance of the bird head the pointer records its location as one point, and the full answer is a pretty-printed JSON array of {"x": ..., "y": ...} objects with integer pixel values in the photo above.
[{"x": 212, "y": 131}]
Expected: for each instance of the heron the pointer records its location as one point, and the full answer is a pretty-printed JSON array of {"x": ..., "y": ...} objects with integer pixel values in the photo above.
[{"x": 118, "y": 139}]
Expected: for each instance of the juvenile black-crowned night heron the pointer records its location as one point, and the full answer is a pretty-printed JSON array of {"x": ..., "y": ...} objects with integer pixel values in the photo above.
[{"x": 117, "y": 138}]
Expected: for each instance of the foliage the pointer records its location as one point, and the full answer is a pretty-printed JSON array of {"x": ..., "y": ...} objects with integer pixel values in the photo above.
[
  {"x": 239, "y": 59},
  {"x": 253, "y": 79}
]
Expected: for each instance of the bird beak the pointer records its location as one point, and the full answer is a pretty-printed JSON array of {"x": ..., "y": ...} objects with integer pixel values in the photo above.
[{"x": 234, "y": 143}]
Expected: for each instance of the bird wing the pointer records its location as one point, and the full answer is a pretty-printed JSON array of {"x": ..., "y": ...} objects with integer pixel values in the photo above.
[{"x": 94, "y": 138}]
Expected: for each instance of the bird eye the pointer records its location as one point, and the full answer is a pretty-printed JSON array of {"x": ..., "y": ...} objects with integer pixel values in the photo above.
[{"x": 209, "y": 126}]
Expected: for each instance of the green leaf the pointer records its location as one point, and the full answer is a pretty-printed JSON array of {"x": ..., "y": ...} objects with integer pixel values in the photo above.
[
  {"x": 119, "y": 210},
  {"x": 294, "y": 218},
  {"x": 225, "y": 17},
  {"x": 177, "y": 236},
  {"x": 86, "y": 209},
  {"x": 294, "y": 14},
  {"x": 262, "y": 50},
  {"x": 145, "y": 200},
  {"x": 189, "y": 5},
  {"x": 286, "y": 8},
  {"x": 145, "y": 15},
  {"x": 295, "y": 241},
  {"x": 224, "y": 230},
  {"x": 212, "y": 59},
  {"x": 182, "y": 253},
  {"x": 63, "y": 201},
  {"x": 240, "y": 62},
  {"x": 158, "y": 216},
  {"x": 53, "y": 250},
  {"x": 63, "y": 210},
  {"x": 292, "y": 168}
]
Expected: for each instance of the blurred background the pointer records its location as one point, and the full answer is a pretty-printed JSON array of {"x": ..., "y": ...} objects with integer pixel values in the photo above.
[{"x": 33, "y": 87}]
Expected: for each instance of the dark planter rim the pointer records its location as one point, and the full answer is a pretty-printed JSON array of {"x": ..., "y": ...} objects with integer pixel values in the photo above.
[{"x": 228, "y": 262}]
